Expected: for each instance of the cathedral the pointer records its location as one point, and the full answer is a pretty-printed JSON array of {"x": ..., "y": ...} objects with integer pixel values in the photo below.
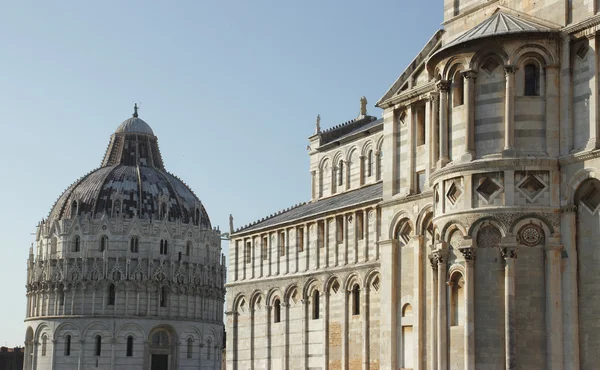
[
  {"x": 460, "y": 230},
  {"x": 126, "y": 271}
]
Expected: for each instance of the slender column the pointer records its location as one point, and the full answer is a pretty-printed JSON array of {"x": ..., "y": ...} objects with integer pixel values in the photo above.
[
  {"x": 307, "y": 247},
  {"x": 570, "y": 294},
  {"x": 82, "y": 312},
  {"x": 433, "y": 313},
  {"x": 253, "y": 256},
  {"x": 35, "y": 354},
  {"x": 81, "y": 352},
  {"x": 53, "y": 359},
  {"x": 388, "y": 316},
  {"x": 355, "y": 237},
  {"x": 509, "y": 113},
  {"x": 316, "y": 252},
  {"x": 348, "y": 164},
  {"x": 553, "y": 132},
  {"x": 94, "y": 300},
  {"x": 418, "y": 319},
  {"x": 305, "y": 318},
  {"x": 509, "y": 253},
  {"x": 365, "y": 328},
  {"x": 443, "y": 87},
  {"x": 566, "y": 101},
  {"x": 554, "y": 341},
  {"x": 469, "y": 95},
  {"x": 410, "y": 115},
  {"x": 297, "y": 250},
  {"x": 442, "y": 351},
  {"x": 593, "y": 100},
  {"x": 269, "y": 253},
  {"x": 336, "y": 247},
  {"x": 268, "y": 311},
  {"x": 345, "y": 332},
  {"x": 113, "y": 348},
  {"x": 286, "y": 335},
  {"x": 73, "y": 300},
  {"x": 345, "y": 228},
  {"x": 326, "y": 242},
  {"x": 325, "y": 299},
  {"x": 287, "y": 250},
  {"x": 366, "y": 234},
  {"x": 470, "y": 254},
  {"x": 261, "y": 254},
  {"x": 361, "y": 175},
  {"x": 252, "y": 342},
  {"x": 434, "y": 148}
]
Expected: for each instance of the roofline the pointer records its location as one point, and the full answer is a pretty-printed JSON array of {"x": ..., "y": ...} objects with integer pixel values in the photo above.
[
  {"x": 246, "y": 232},
  {"x": 378, "y": 127},
  {"x": 432, "y": 43}
]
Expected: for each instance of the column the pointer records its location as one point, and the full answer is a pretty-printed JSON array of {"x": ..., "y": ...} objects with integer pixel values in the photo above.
[
  {"x": 566, "y": 102},
  {"x": 286, "y": 247},
  {"x": 509, "y": 113},
  {"x": 252, "y": 256},
  {"x": 418, "y": 319},
  {"x": 442, "y": 334},
  {"x": 286, "y": 334},
  {"x": 443, "y": 87},
  {"x": 35, "y": 354},
  {"x": 570, "y": 314},
  {"x": 345, "y": 231},
  {"x": 326, "y": 242},
  {"x": 469, "y": 253},
  {"x": 593, "y": 100},
  {"x": 553, "y": 132},
  {"x": 305, "y": 318},
  {"x": 433, "y": 313},
  {"x": 244, "y": 261},
  {"x": 81, "y": 352},
  {"x": 269, "y": 253},
  {"x": 307, "y": 247},
  {"x": 345, "y": 331},
  {"x": 236, "y": 261},
  {"x": 388, "y": 310},
  {"x": 469, "y": 95},
  {"x": 263, "y": 249},
  {"x": 362, "y": 160},
  {"x": 252, "y": 334},
  {"x": 113, "y": 348},
  {"x": 554, "y": 342},
  {"x": 53, "y": 359},
  {"x": 355, "y": 238},
  {"x": 366, "y": 234},
  {"x": 509, "y": 253},
  {"x": 316, "y": 253},
  {"x": 410, "y": 115},
  {"x": 297, "y": 249},
  {"x": 325, "y": 299},
  {"x": 366, "y": 327},
  {"x": 268, "y": 310},
  {"x": 434, "y": 142}
]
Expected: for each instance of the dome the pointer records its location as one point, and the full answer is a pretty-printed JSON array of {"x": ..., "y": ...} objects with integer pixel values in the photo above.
[
  {"x": 135, "y": 124},
  {"x": 131, "y": 181}
]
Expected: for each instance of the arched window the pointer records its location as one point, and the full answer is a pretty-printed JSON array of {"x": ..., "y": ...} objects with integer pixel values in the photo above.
[
  {"x": 111, "y": 295},
  {"x": 370, "y": 163},
  {"x": 315, "y": 307},
  {"x": 161, "y": 339},
  {"x": 117, "y": 208},
  {"x": 163, "y": 247},
  {"x": 164, "y": 295},
  {"x": 68, "y": 345},
  {"x": 134, "y": 244},
  {"x": 277, "y": 311},
  {"x": 98, "y": 345},
  {"x": 103, "y": 243},
  {"x": 130, "y": 346},
  {"x": 76, "y": 244},
  {"x": 356, "y": 300},
  {"x": 532, "y": 80},
  {"x": 341, "y": 173},
  {"x": 458, "y": 89},
  {"x": 74, "y": 209},
  {"x": 188, "y": 249},
  {"x": 208, "y": 347},
  {"x": 44, "y": 344},
  {"x": 457, "y": 300},
  {"x": 190, "y": 347}
]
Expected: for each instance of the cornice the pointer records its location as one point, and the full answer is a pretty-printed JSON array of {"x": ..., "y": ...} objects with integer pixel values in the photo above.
[
  {"x": 573, "y": 29},
  {"x": 406, "y": 199},
  {"x": 493, "y": 164},
  {"x": 351, "y": 267},
  {"x": 409, "y": 96},
  {"x": 579, "y": 157}
]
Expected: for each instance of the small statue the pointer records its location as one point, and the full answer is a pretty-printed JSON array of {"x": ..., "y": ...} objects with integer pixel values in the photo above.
[
  {"x": 318, "y": 130},
  {"x": 363, "y": 106},
  {"x": 135, "y": 110},
  {"x": 230, "y": 224}
]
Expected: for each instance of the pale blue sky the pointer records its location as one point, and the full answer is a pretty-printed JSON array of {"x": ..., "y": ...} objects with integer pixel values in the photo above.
[{"x": 231, "y": 89}]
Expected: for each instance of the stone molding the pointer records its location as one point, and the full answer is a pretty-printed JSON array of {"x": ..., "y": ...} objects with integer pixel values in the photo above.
[{"x": 493, "y": 165}]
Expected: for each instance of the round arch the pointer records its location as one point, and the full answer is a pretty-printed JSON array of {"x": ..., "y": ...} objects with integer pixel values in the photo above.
[{"x": 576, "y": 180}]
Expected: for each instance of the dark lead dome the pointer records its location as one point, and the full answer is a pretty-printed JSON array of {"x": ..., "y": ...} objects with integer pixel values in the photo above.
[{"x": 131, "y": 181}]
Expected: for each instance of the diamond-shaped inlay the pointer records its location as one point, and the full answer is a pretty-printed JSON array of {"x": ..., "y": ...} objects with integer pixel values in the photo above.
[
  {"x": 531, "y": 187},
  {"x": 488, "y": 189},
  {"x": 591, "y": 198},
  {"x": 454, "y": 192},
  {"x": 490, "y": 65}
]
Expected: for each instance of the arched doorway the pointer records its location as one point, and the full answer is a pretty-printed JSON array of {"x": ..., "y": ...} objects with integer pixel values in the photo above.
[{"x": 161, "y": 349}]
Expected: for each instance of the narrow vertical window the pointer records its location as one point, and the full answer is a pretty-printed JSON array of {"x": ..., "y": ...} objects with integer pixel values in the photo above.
[
  {"x": 277, "y": 311},
  {"x": 134, "y": 244},
  {"x": 190, "y": 347},
  {"x": 163, "y": 296},
  {"x": 458, "y": 90},
  {"x": 103, "y": 243},
  {"x": 248, "y": 253},
  {"x": 315, "y": 302},
  {"x": 163, "y": 247},
  {"x": 360, "y": 225},
  {"x": 44, "y": 344},
  {"x": 98, "y": 345},
  {"x": 130, "y": 346},
  {"x": 117, "y": 208},
  {"x": 74, "y": 209},
  {"x": 76, "y": 244},
  {"x": 208, "y": 347},
  {"x": 300, "y": 239},
  {"x": 532, "y": 80},
  {"x": 61, "y": 296},
  {"x": 282, "y": 243},
  {"x": 340, "y": 228},
  {"x": 188, "y": 249},
  {"x": 356, "y": 300},
  {"x": 111, "y": 295},
  {"x": 341, "y": 173},
  {"x": 370, "y": 164},
  {"x": 265, "y": 248},
  {"x": 68, "y": 345}
]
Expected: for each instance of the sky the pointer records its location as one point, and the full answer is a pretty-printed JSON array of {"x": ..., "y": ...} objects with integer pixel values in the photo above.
[{"x": 230, "y": 88}]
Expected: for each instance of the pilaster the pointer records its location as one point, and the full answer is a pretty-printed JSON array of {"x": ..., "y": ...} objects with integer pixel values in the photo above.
[
  {"x": 509, "y": 112},
  {"x": 508, "y": 247},
  {"x": 443, "y": 88},
  {"x": 469, "y": 94}
]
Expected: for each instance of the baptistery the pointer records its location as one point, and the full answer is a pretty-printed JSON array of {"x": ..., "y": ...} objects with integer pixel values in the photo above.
[{"x": 126, "y": 270}]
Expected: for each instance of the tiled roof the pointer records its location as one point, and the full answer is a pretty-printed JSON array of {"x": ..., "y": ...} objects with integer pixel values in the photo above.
[
  {"x": 363, "y": 195},
  {"x": 500, "y": 23},
  {"x": 343, "y": 130}
]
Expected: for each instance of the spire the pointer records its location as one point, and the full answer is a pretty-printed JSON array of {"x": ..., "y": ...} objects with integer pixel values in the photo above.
[{"x": 135, "y": 109}]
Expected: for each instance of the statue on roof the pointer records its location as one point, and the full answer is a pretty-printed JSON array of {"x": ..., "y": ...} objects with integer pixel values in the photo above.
[
  {"x": 318, "y": 129},
  {"x": 230, "y": 224},
  {"x": 363, "y": 106},
  {"x": 135, "y": 110}
]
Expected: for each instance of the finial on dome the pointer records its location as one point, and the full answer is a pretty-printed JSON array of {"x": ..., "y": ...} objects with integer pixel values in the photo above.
[{"x": 135, "y": 109}]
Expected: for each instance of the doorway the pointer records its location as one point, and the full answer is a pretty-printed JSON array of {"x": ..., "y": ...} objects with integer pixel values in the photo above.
[{"x": 160, "y": 362}]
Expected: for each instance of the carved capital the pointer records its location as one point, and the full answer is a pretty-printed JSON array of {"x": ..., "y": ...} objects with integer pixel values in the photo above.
[
  {"x": 570, "y": 208},
  {"x": 508, "y": 252},
  {"x": 433, "y": 262},
  {"x": 443, "y": 85},
  {"x": 469, "y": 74},
  {"x": 439, "y": 256},
  {"x": 509, "y": 70},
  {"x": 470, "y": 254}
]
